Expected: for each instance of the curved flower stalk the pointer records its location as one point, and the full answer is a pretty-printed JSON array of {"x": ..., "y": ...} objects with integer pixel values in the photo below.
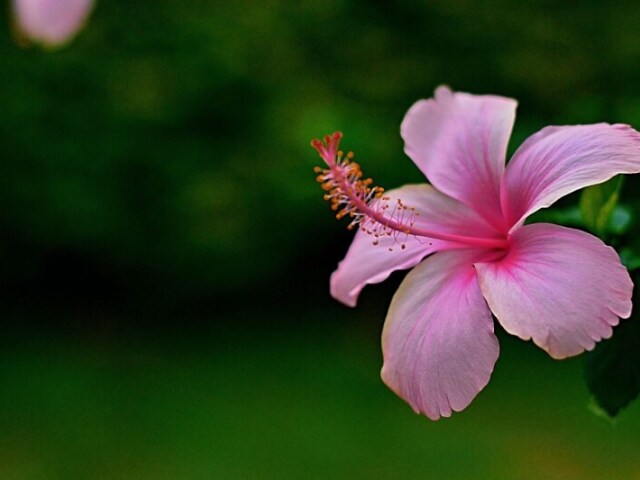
[
  {"x": 51, "y": 23},
  {"x": 473, "y": 256}
]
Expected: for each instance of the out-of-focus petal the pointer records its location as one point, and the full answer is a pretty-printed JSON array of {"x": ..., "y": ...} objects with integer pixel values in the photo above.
[
  {"x": 559, "y": 160},
  {"x": 561, "y": 287},
  {"x": 368, "y": 263},
  {"x": 438, "y": 342},
  {"x": 459, "y": 141},
  {"x": 51, "y": 22}
]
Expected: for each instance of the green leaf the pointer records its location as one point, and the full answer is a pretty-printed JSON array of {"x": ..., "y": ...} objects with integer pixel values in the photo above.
[
  {"x": 621, "y": 220},
  {"x": 569, "y": 216},
  {"x": 613, "y": 367},
  {"x": 630, "y": 259},
  {"x": 597, "y": 204}
]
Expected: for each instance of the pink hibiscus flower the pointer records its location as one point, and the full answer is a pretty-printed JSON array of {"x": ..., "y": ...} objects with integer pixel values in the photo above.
[
  {"x": 50, "y": 22},
  {"x": 473, "y": 256}
]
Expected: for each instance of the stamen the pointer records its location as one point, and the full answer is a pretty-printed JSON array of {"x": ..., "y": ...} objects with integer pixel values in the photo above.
[{"x": 350, "y": 195}]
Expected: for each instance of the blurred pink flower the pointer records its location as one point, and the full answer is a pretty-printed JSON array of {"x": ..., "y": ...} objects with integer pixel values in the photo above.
[
  {"x": 50, "y": 22},
  {"x": 560, "y": 287}
]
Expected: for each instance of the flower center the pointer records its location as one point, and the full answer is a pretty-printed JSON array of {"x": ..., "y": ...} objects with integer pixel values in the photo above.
[{"x": 349, "y": 194}]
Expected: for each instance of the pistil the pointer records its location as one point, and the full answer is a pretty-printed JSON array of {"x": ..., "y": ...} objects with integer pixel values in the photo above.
[{"x": 367, "y": 207}]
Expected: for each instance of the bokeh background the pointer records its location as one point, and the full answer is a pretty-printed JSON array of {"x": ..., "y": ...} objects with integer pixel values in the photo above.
[{"x": 165, "y": 251}]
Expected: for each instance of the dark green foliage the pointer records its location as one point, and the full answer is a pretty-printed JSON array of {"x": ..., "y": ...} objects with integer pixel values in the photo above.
[
  {"x": 613, "y": 367},
  {"x": 170, "y": 139}
]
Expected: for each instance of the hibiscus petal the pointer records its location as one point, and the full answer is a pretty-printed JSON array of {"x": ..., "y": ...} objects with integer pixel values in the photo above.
[
  {"x": 368, "y": 263},
  {"x": 52, "y": 22},
  {"x": 561, "y": 287},
  {"x": 438, "y": 342},
  {"x": 459, "y": 141},
  {"x": 559, "y": 160}
]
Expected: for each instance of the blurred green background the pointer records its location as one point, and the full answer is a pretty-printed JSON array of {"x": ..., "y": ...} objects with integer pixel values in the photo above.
[{"x": 165, "y": 251}]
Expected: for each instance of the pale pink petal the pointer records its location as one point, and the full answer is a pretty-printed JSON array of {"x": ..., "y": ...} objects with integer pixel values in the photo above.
[
  {"x": 51, "y": 22},
  {"x": 368, "y": 263},
  {"x": 459, "y": 141},
  {"x": 438, "y": 342},
  {"x": 559, "y": 160},
  {"x": 561, "y": 287}
]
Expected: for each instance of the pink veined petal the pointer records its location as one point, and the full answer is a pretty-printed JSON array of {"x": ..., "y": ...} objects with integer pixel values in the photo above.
[
  {"x": 52, "y": 22},
  {"x": 438, "y": 342},
  {"x": 559, "y": 160},
  {"x": 459, "y": 141},
  {"x": 367, "y": 263},
  {"x": 561, "y": 287}
]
